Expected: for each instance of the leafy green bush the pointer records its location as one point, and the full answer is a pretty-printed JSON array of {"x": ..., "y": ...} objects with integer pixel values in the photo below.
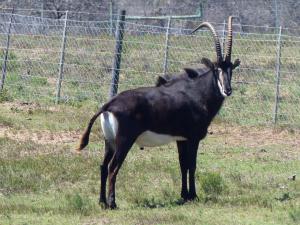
[
  {"x": 212, "y": 185},
  {"x": 78, "y": 203},
  {"x": 5, "y": 96}
]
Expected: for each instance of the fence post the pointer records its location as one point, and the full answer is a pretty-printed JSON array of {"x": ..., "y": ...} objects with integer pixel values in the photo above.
[
  {"x": 62, "y": 59},
  {"x": 200, "y": 13},
  {"x": 42, "y": 9},
  {"x": 167, "y": 45},
  {"x": 278, "y": 64},
  {"x": 118, "y": 51},
  {"x": 277, "y": 19},
  {"x": 111, "y": 17},
  {"x": 5, "y": 57}
]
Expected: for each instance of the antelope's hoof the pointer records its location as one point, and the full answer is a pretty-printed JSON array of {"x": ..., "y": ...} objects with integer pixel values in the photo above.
[
  {"x": 185, "y": 197},
  {"x": 103, "y": 205},
  {"x": 112, "y": 205},
  {"x": 193, "y": 197}
]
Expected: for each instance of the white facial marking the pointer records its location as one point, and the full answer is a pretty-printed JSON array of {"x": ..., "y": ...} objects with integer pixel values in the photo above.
[
  {"x": 109, "y": 126},
  {"x": 221, "y": 83},
  {"x": 151, "y": 139}
]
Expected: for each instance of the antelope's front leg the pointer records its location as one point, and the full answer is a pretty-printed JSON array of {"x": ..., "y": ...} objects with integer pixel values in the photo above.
[{"x": 193, "y": 149}]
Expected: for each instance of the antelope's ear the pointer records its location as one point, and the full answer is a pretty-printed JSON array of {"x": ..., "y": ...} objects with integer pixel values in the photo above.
[
  {"x": 207, "y": 63},
  {"x": 236, "y": 63},
  {"x": 192, "y": 73},
  {"x": 160, "y": 81}
]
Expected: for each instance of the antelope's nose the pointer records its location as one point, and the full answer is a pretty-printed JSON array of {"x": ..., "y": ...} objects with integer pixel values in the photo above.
[{"x": 228, "y": 92}]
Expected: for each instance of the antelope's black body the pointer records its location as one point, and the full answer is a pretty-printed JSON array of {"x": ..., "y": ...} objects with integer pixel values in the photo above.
[{"x": 178, "y": 108}]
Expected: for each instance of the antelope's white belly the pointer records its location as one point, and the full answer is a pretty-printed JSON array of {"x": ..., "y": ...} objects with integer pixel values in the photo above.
[{"x": 151, "y": 139}]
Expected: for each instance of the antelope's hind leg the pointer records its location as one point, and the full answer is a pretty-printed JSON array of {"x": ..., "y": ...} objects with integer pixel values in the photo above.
[
  {"x": 109, "y": 151},
  {"x": 123, "y": 145}
]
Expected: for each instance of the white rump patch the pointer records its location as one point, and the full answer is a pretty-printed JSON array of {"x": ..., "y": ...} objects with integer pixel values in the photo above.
[
  {"x": 151, "y": 139},
  {"x": 109, "y": 126}
]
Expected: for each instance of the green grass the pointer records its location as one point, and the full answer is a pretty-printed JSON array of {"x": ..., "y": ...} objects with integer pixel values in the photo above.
[{"x": 235, "y": 185}]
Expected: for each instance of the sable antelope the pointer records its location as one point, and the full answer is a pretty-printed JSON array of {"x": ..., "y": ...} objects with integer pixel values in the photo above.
[{"x": 177, "y": 109}]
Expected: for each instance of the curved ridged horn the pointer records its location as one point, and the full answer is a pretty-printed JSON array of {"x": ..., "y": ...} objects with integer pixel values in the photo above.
[
  {"x": 216, "y": 39},
  {"x": 229, "y": 41}
]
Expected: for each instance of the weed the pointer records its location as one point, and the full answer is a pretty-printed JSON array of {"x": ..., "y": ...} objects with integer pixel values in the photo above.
[
  {"x": 213, "y": 185},
  {"x": 5, "y": 96},
  {"x": 294, "y": 214},
  {"x": 150, "y": 203},
  {"x": 79, "y": 203},
  {"x": 285, "y": 197},
  {"x": 12, "y": 63},
  {"x": 38, "y": 81},
  {"x": 6, "y": 121}
]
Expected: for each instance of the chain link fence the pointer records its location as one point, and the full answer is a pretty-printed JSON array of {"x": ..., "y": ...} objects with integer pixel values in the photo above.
[{"x": 64, "y": 66}]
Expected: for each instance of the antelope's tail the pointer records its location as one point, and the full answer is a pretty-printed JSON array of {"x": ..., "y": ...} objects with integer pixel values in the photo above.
[{"x": 84, "y": 140}]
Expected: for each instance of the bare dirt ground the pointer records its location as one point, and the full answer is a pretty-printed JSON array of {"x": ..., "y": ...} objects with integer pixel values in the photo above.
[
  {"x": 284, "y": 144},
  {"x": 256, "y": 136},
  {"x": 234, "y": 136},
  {"x": 26, "y": 106},
  {"x": 40, "y": 137}
]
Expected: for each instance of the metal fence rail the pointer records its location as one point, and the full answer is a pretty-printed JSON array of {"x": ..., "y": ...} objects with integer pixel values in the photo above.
[{"x": 71, "y": 62}]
